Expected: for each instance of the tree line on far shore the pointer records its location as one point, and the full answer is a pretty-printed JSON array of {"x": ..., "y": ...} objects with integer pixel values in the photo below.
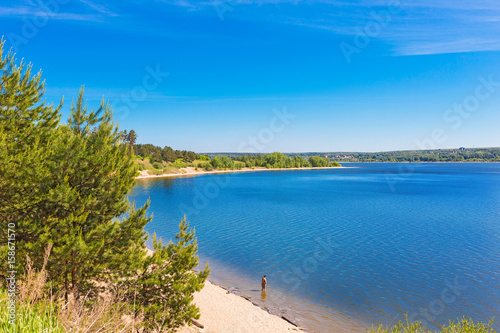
[
  {"x": 269, "y": 161},
  {"x": 433, "y": 155},
  {"x": 157, "y": 155},
  {"x": 430, "y": 155},
  {"x": 167, "y": 154}
]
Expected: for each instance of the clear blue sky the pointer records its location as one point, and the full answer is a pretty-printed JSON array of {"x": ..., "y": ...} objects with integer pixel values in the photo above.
[{"x": 356, "y": 75}]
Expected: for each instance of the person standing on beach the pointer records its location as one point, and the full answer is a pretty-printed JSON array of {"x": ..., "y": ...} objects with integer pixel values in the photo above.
[{"x": 264, "y": 283}]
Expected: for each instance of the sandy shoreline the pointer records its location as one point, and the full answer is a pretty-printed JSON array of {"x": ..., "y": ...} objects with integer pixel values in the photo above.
[
  {"x": 192, "y": 172},
  {"x": 223, "y": 312}
]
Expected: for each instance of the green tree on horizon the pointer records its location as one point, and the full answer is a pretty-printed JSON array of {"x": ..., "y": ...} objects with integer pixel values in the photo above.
[{"x": 131, "y": 139}]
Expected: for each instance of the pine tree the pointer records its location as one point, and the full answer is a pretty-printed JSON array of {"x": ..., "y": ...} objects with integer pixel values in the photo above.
[
  {"x": 67, "y": 185},
  {"x": 167, "y": 280},
  {"x": 91, "y": 182},
  {"x": 131, "y": 139},
  {"x": 28, "y": 131}
]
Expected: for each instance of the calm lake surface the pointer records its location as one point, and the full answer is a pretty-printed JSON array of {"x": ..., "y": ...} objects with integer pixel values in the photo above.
[{"x": 346, "y": 248}]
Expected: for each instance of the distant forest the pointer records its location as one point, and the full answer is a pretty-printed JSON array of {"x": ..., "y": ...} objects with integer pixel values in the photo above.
[
  {"x": 435, "y": 155},
  {"x": 157, "y": 155},
  {"x": 167, "y": 154}
]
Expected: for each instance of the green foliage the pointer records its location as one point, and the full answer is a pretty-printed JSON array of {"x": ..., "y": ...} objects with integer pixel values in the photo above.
[
  {"x": 203, "y": 158},
  {"x": 67, "y": 186},
  {"x": 167, "y": 280},
  {"x": 155, "y": 157},
  {"x": 91, "y": 175},
  {"x": 129, "y": 139},
  {"x": 30, "y": 318},
  {"x": 282, "y": 161},
  {"x": 319, "y": 162},
  {"x": 166, "y": 154},
  {"x": 399, "y": 327},
  {"x": 463, "y": 325},
  {"x": 222, "y": 162},
  {"x": 431, "y": 155},
  {"x": 28, "y": 132},
  {"x": 157, "y": 165}
]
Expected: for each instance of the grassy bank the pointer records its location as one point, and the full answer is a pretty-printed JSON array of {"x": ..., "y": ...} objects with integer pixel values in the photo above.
[{"x": 157, "y": 168}]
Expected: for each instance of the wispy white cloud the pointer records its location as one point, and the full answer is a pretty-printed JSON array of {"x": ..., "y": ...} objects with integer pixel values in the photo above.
[
  {"x": 450, "y": 4},
  {"x": 455, "y": 46},
  {"x": 37, "y": 9},
  {"x": 111, "y": 95},
  {"x": 98, "y": 8},
  {"x": 38, "y": 12},
  {"x": 422, "y": 26}
]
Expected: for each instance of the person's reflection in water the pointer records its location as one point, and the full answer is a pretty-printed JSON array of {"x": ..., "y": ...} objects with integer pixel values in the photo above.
[{"x": 263, "y": 298}]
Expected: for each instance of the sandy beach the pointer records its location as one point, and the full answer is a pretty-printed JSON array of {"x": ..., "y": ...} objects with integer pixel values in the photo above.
[
  {"x": 193, "y": 172},
  {"x": 223, "y": 312}
]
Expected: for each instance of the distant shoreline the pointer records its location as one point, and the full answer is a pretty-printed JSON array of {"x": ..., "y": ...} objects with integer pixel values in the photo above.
[
  {"x": 192, "y": 172},
  {"x": 427, "y": 162}
]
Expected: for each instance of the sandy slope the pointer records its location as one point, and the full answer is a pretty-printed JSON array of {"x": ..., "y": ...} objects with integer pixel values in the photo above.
[{"x": 228, "y": 313}]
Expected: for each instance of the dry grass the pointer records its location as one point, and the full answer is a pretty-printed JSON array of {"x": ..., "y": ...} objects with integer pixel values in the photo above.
[{"x": 39, "y": 309}]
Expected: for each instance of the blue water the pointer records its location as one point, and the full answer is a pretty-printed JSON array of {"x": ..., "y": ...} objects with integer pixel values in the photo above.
[{"x": 346, "y": 248}]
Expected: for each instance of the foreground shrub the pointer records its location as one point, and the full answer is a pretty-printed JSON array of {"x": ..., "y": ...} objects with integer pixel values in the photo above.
[
  {"x": 463, "y": 325},
  {"x": 167, "y": 280}
]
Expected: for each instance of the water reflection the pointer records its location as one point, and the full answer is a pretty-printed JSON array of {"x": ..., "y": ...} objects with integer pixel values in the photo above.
[{"x": 148, "y": 183}]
